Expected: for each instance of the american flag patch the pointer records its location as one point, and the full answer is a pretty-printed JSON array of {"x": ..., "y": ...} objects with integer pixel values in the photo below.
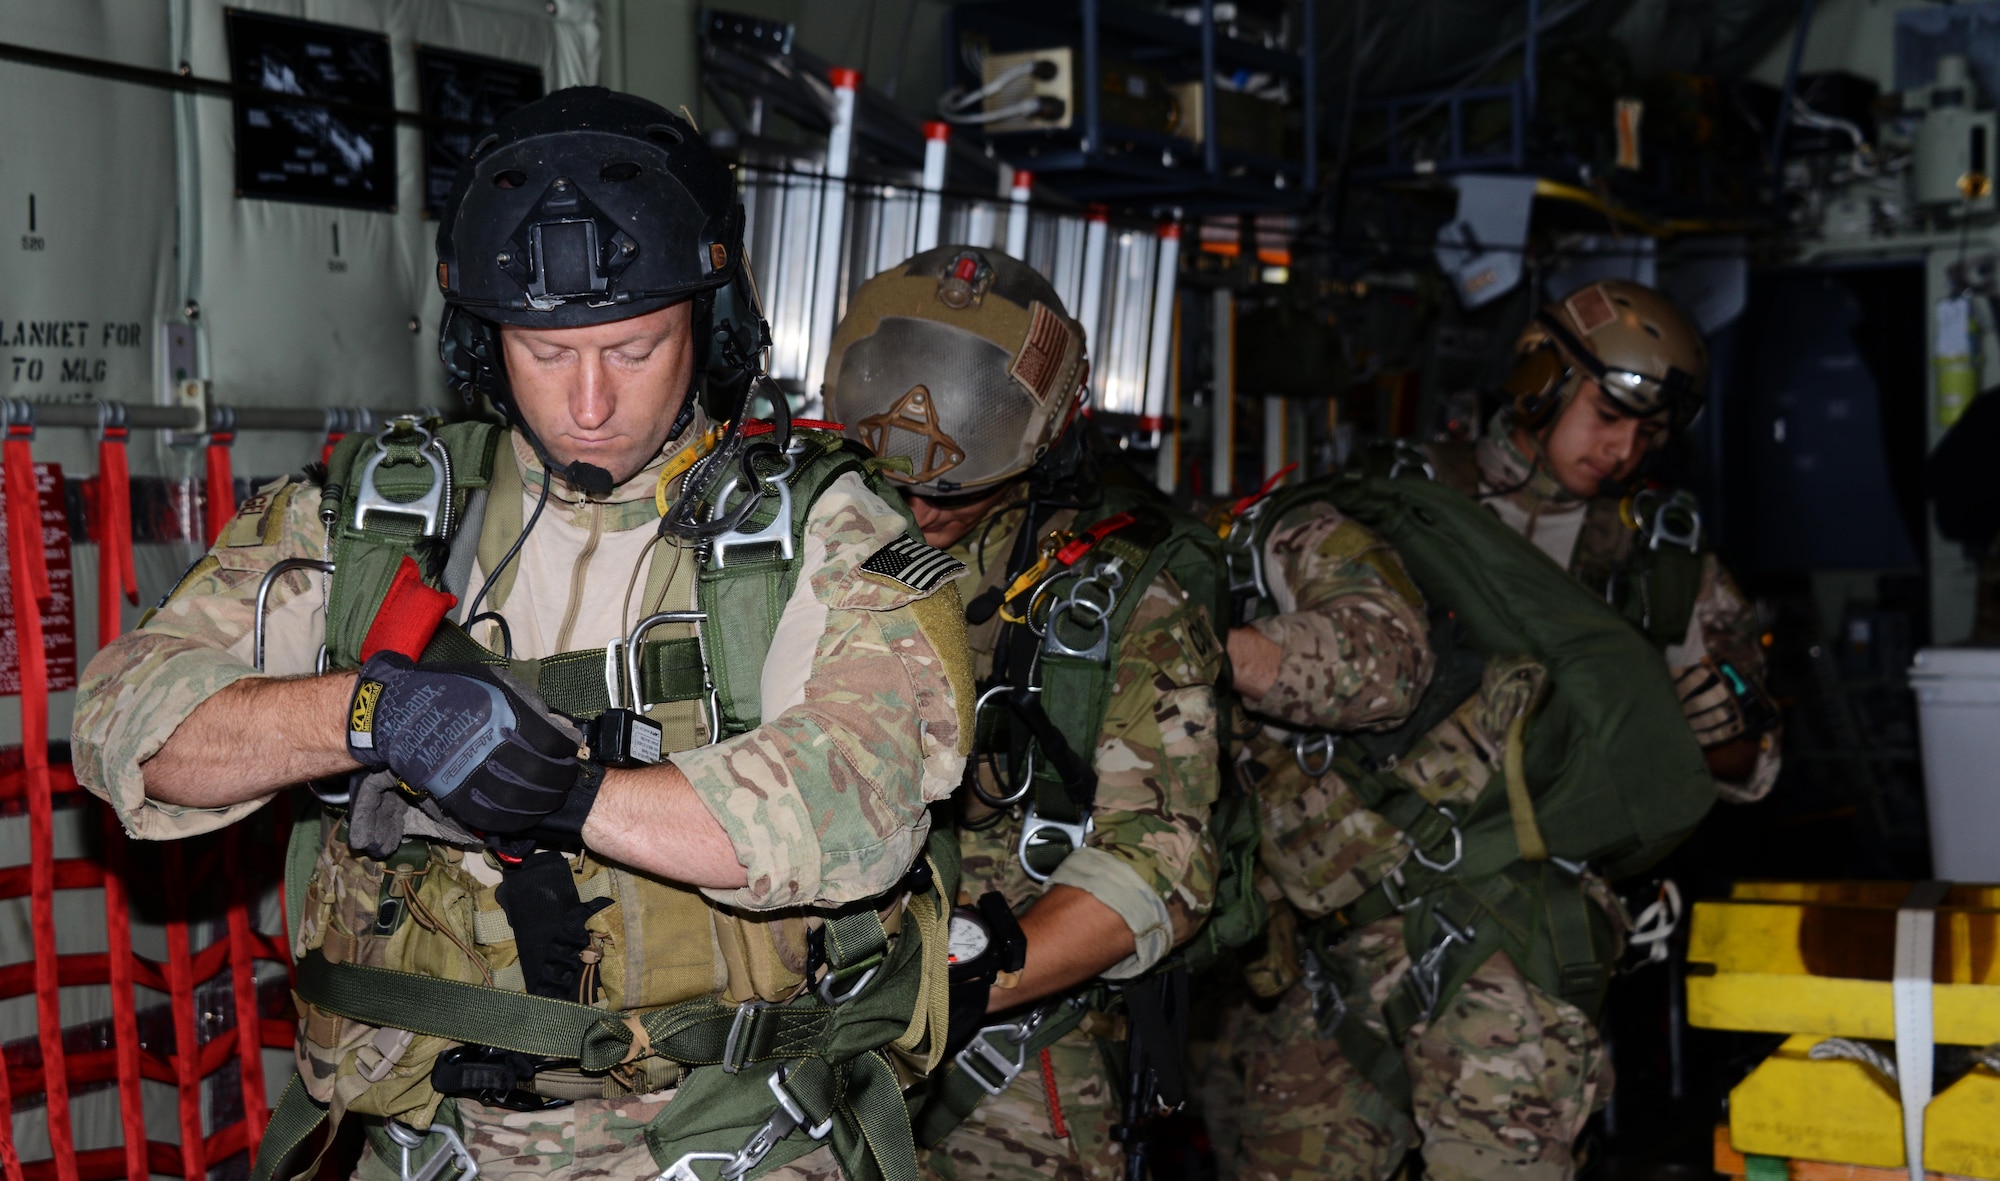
[
  {"x": 909, "y": 563},
  {"x": 1041, "y": 356}
]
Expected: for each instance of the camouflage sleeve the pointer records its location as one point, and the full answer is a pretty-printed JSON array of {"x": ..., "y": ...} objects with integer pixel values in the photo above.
[
  {"x": 826, "y": 802},
  {"x": 140, "y": 687},
  {"x": 1149, "y": 855},
  {"x": 1725, "y": 627},
  {"x": 1351, "y": 625}
]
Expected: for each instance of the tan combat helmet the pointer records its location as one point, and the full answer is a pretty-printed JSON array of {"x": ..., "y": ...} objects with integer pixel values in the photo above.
[
  {"x": 1629, "y": 338},
  {"x": 961, "y": 361}
]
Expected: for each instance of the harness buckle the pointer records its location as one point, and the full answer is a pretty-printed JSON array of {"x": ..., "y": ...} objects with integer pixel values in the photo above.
[
  {"x": 428, "y": 508},
  {"x": 778, "y": 532},
  {"x": 1674, "y": 520},
  {"x": 1457, "y": 847},
  {"x": 982, "y": 1054},
  {"x": 1111, "y": 578},
  {"x": 1032, "y": 828},
  {"x": 683, "y": 1169},
  {"x": 745, "y": 1013},
  {"x": 1409, "y": 456},
  {"x": 1313, "y": 753},
  {"x": 1392, "y": 884},
  {"x": 827, "y": 994},
  {"x": 1329, "y": 1006},
  {"x": 453, "y": 1154},
  {"x": 790, "y": 1117}
]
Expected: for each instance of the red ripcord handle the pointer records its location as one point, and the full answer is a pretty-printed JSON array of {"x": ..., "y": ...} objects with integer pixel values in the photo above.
[
  {"x": 764, "y": 426},
  {"x": 29, "y": 576},
  {"x": 1263, "y": 489},
  {"x": 1083, "y": 542},
  {"x": 409, "y": 614}
]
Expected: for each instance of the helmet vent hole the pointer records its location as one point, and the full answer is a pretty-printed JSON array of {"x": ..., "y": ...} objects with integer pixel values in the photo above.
[
  {"x": 620, "y": 170},
  {"x": 1652, "y": 331},
  {"x": 661, "y": 133},
  {"x": 512, "y": 178}
]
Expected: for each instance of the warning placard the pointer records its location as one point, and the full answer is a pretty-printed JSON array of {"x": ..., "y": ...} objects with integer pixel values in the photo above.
[{"x": 59, "y": 617}]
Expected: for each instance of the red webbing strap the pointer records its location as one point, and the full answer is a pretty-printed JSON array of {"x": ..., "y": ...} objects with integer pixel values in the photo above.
[
  {"x": 180, "y": 990},
  {"x": 116, "y": 574},
  {"x": 221, "y": 483},
  {"x": 243, "y": 984},
  {"x": 30, "y": 579},
  {"x": 124, "y": 1006}
]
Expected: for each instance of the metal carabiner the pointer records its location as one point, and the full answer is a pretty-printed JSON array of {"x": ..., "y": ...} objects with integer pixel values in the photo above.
[
  {"x": 1098, "y": 649},
  {"x": 778, "y": 532},
  {"x": 428, "y": 508},
  {"x": 454, "y": 1152},
  {"x": 1033, "y": 826},
  {"x": 1426, "y": 975}
]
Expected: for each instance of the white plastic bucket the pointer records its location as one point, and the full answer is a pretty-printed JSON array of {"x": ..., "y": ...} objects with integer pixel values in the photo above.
[{"x": 1958, "y": 710}]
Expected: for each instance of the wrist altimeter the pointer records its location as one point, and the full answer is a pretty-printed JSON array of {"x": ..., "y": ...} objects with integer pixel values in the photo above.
[{"x": 985, "y": 940}]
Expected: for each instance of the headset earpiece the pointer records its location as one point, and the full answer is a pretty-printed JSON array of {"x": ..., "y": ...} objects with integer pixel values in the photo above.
[{"x": 1535, "y": 386}]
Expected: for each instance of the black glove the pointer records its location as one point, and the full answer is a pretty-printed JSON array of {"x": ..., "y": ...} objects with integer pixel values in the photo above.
[{"x": 468, "y": 735}]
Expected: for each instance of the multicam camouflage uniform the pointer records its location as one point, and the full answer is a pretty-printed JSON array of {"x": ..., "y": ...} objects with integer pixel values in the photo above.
[
  {"x": 1503, "y": 1074},
  {"x": 1148, "y": 858},
  {"x": 824, "y": 803},
  {"x": 1587, "y": 538}
]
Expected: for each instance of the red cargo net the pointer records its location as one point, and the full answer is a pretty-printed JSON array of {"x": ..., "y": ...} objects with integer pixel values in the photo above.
[{"x": 188, "y": 886}]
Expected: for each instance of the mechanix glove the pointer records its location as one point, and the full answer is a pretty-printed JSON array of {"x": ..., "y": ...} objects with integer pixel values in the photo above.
[
  {"x": 1722, "y": 704},
  {"x": 467, "y": 735}
]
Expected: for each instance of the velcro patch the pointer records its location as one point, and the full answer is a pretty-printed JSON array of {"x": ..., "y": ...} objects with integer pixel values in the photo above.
[
  {"x": 1590, "y": 309},
  {"x": 911, "y": 564},
  {"x": 258, "y": 519}
]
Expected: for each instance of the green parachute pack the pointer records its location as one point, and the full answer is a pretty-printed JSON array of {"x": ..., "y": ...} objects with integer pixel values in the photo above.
[{"x": 1601, "y": 773}]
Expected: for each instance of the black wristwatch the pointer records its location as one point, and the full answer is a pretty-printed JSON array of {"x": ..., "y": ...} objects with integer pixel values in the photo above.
[{"x": 985, "y": 940}]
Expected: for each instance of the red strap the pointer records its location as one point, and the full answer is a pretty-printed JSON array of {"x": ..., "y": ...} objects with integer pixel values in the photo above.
[
  {"x": 24, "y": 558},
  {"x": 409, "y": 615},
  {"x": 243, "y": 983},
  {"x": 124, "y": 1010},
  {"x": 180, "y": 991},
  {"x": 1082, "y": 544},
  {"x": 116, "y": 575},
  {"x": 333, "y": 439},
  {"x": 221, "y": 484},
  {"x": 1263, "y": 489}
]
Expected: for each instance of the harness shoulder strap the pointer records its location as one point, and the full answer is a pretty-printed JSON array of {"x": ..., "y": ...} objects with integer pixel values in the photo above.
[
  {"x": 389, "y": 496},
  {"x": 745, "y": 597}
]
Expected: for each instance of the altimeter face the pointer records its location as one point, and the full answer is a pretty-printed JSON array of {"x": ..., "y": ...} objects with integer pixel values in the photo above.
[{"x": 967, "y": 940}]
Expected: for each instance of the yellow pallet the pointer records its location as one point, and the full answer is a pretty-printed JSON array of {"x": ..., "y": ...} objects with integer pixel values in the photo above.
[
  {"x": 1841, "y": 1111},
  {"x": 1816, "y": 957}
]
